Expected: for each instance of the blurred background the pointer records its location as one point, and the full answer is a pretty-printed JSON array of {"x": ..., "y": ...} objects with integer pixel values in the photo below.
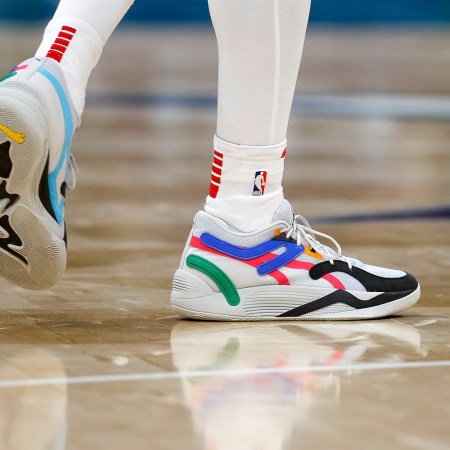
[
  {"x": 189, "y": 11},
  {"x": 369, "y": 134},
  {"x": 368, "y": 163}
]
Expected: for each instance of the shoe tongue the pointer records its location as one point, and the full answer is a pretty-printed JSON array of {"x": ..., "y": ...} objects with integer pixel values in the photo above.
[{"x": 284, "y": 212}]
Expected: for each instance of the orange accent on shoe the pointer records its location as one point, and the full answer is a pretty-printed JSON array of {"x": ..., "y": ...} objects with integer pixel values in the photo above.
[
  {"x": 310, "y": 252},
  {"x": 277, "y": 232}
]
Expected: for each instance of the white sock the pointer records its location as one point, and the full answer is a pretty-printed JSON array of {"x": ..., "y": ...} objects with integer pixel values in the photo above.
[
  {"x": 260, "y": 47},
  {"x": 75, "y": 38},
  {"x": 245, "y": 189}
]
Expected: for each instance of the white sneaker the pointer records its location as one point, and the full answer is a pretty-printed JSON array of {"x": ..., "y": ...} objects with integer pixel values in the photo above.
[
  {"x": 281, "y": 272},
  {"x": 37, "y": 124}
]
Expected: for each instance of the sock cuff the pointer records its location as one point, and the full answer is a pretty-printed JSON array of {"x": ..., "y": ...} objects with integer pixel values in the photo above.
[
  {"x": 250, "y": 152},
  {"x": 83, "y": 31},
  {"x": 245, "y": 213}
]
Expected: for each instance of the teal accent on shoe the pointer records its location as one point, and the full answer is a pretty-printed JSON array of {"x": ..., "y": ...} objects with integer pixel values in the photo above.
[
  {"x": 219, "y": 277},
  {"x": 58, "y": 207}
]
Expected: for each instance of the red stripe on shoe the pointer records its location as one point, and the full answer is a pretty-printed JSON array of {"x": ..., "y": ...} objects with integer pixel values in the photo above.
[
  {"x": 255, "y": 262},
  {"x": 279, "y": 276},
  {"x": 307, "y": 265},
  {"x": 334, "y": 281},
  {"x": 284, "y": 153}
]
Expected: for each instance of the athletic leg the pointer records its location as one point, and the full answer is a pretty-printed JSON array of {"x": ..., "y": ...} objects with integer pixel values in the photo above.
[
  {"x": 260, "y": 47},
  {"x": 247, "y": 256}
]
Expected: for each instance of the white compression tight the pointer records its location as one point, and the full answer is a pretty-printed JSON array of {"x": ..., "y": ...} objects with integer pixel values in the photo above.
[{"x": 260, "y": 47}]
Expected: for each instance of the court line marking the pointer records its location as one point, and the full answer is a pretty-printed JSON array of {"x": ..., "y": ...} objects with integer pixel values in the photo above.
[{"x": 116, "y": 378}]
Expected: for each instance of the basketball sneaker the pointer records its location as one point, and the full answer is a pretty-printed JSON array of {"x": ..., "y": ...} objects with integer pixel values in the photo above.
[
  {"x": 37, "y": 124},
  {"x": 281, "y": 272}
]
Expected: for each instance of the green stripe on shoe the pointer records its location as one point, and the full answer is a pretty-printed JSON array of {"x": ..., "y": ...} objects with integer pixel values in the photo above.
[
  {"x": 8, "y": 75},
  {"x": 219, "y": 277}
]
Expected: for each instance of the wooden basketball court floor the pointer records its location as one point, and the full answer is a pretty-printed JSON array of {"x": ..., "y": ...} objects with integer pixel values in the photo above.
[{"x": 101, "y": 362}]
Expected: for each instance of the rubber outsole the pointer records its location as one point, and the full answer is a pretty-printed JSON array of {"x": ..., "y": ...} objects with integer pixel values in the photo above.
[{"x": 384, "y": 310}]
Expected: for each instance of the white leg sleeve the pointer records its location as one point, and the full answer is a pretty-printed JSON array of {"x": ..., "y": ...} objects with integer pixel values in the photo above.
[{"x": 260, "y": 46}]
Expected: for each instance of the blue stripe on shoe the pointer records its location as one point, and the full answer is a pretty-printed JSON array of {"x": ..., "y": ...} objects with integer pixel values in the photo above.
[
  {"x": 58, "y": 207},
  {"x": 245, "y": 253}
]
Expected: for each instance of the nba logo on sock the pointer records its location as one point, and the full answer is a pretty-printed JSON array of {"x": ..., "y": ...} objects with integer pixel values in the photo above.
[{"x": 259, "y": 183}]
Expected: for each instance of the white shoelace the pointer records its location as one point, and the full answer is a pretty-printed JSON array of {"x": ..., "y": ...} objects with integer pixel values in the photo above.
[
  {"x": 302, "y": 231},
  {"x": 72, "y": 173}
]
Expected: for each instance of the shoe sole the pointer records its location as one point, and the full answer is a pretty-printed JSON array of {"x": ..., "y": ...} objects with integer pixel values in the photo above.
[
  {"x": 268, "y": 302},
  {"x": 32, "y": 254}
]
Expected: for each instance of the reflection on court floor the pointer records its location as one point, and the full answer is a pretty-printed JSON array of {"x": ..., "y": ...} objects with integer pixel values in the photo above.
[{"x": 261, "y": 407}]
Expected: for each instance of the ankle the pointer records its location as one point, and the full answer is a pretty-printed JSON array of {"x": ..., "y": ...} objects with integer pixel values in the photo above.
[{"x": 245, "y": 189}]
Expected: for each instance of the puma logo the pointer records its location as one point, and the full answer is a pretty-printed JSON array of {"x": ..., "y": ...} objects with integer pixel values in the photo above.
[{"x": 14, "y": 135}]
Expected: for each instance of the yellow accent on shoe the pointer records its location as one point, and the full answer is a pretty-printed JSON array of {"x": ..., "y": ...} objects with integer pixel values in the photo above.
[{"x": 14, "y": 135}]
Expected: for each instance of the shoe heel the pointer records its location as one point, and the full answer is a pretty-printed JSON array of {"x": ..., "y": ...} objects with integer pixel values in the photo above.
[
  {"x": 187, "y": 286},
  {"x": 24, "y": 130}
]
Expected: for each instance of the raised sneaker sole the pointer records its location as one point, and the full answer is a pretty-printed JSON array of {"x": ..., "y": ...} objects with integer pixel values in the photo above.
[
  {"x": 193, "y": 298},
  {"x": 32, "y": 252}
]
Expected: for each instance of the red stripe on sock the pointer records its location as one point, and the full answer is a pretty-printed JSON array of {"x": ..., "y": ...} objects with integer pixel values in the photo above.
[
  {"x": 70, "y": 29},
  {"x": 284, "y": 153},
  {"x": 213, "y": 190},
  {"x": 215, "y": 178},
  {"x": 67, "y": 36},
  {"x": 216, "y": 171},
  {"x": 218, "y": 162},
  {"x": 62, "y": 41},
  {"x": 60, "y": 48},
  {"x": 53, "y": 54}
]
